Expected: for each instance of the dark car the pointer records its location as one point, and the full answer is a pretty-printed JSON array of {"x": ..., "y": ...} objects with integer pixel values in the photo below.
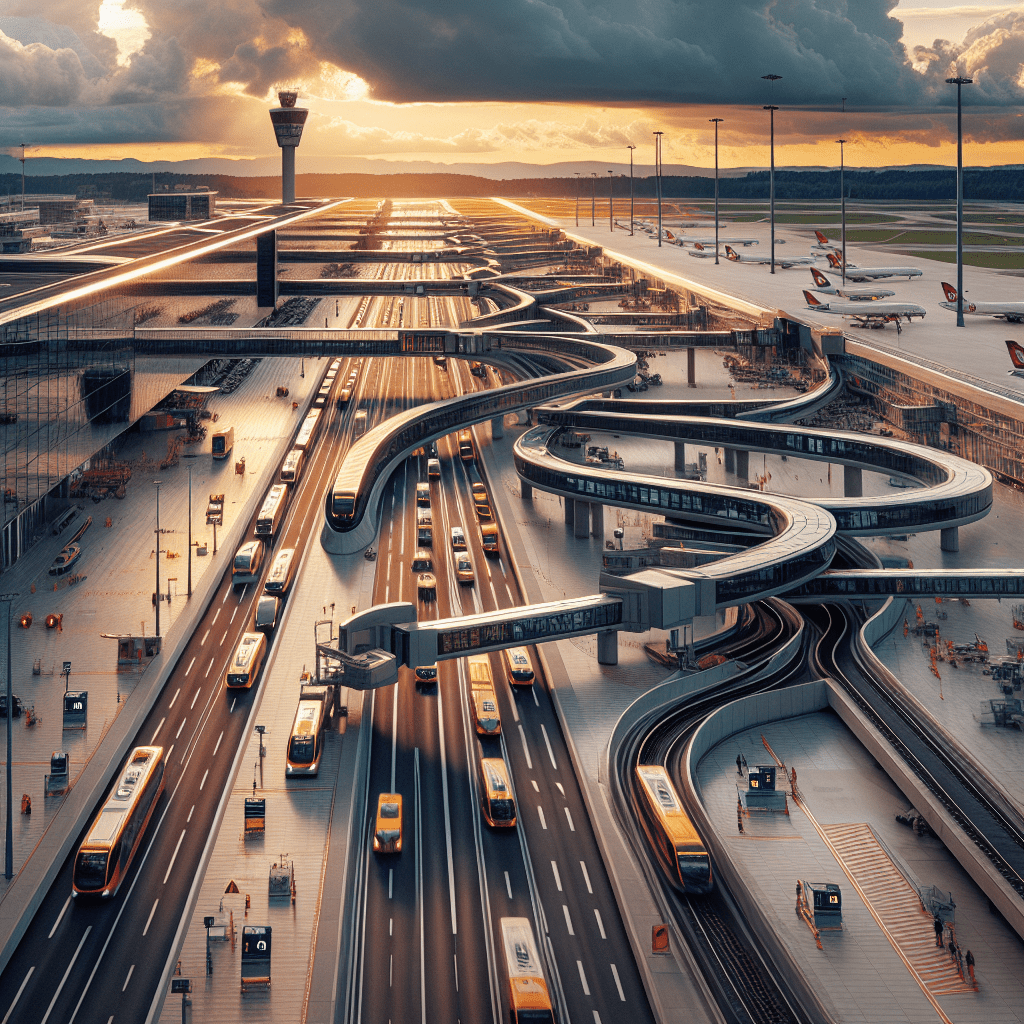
[
  {"x": 15, "y": 700},
  {"x": 266, "y": 613}
]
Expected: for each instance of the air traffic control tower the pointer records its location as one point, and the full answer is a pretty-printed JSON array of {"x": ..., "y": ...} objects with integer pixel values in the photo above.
[{"x": 288, "y": 120}]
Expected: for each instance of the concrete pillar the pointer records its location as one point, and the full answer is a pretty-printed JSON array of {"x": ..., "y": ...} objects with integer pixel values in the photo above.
[
  {"x": 569, "y": 516},
  {"x": 287, "y": 174},
  {"x": 950, "y": 539},
  {"x": 608, "y": 647},
  {"x": 266, "y": 270},
  {"x": 853, "y": 482},
  {"x": 581, "y": 519},
  {"x": 680, "y": 456},
  {"x": 497, "y": 428},
  {"x": 597, "y": 521},
  {"x": 743, "y": 465},
  {"x": 526, "y": 490},
  {"x": 730, "y": 460},
  {"x": 691, "y": 367}
]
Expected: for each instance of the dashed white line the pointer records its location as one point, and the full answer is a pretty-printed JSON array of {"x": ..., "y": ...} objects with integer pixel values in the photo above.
[
  {"x": 149, "y": 920},
  {"x": 540, "y": 811},
  {"x": 568, "y": 921},
  {"x": 63, "y": 980},
  {"x": 189, "y": 669},
  {"x": 583, "y": 978},
  {"x": 536, "y": 701},
  {"x": 568, "y": 818},
  {"x": 597, "y": 1017},
  {"x": 224, "y": 637},
  {"x": 558, "y": 880},
  {"x": 214, "y": 623},
  {"x": 618, "y": 984},
  {"x": 7, "y": 1016},
  {"x": 203, "y": 641},
  {"x": 508, "y": 885},
  {"x": 586, "y": 877},
  {"x": 203, "y": 783},
  {"x": 194, "y": 699},
  {"x": 208, "y": 667},
  {"x": 600, "y": 923},
  {"x": 226, "y": 592},
  {"x": 174, "y": 698},
  {"x": 233, "y": 614},
  {"x": 60, "y": 917},
  {"x": 190, "y": 813},
  {"x": 174, "y": 856},
  {"x": 221, "y": 736},
  {"x": 536, "y": 788},
  {"x": 180, "y": 727},
  {"x": 158, "y": 728},
  {"x": 129, "y": 978},
  {"x": 526, "y": 749},
  {"x": 391, "y": 882},
  {"x": 547, "y": 743},
  {"x": 234, "y": 700}
]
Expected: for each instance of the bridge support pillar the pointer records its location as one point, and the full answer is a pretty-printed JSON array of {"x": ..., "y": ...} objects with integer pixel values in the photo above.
[
  {"x": 525, "y": 490},
  {"x": 853, "y": 482},
  {"x": 597, "y": 521},
  {"x": 608, "y": 647},
  {"x": 266, "y": 267},
  {"x": 569, "y": 512},
  {"x": 691, "y": 367},
  {"x": 743, "y": 466},
  {"x": 730, "y": 460},
  {"x": 680, "y": 456},
  {"x": 497, "y": 428},
  {"x": 581, "y": 519},
  {"x": 950, "y": 539}
]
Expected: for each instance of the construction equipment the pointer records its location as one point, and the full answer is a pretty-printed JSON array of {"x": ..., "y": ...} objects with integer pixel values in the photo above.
[
  {"x": 215, "y": 510},
  {"x": 977, "y": 651}
]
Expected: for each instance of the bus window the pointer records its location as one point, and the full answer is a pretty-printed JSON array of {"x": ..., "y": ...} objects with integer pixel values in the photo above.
[
  {"x": 246, "y": 661},
  {"x": 247, "y": 563},
  {"x": 387, "y": 831}
]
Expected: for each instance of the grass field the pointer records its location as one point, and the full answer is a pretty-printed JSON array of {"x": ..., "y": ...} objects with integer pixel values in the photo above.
[
  {"x": 832, "y": 217},
  {"x": 910, "y": 237},
  {"x": 874, "y": 235},
  {"x": 991, "y": 260}
]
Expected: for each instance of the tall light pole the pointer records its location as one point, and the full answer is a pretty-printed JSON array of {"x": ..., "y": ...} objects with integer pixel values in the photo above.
[
  {"x": 6, "y": 599},
  {"x": 189, "y": 531},
  {"x": 593, "y": 197},
  {"x": 842, "y": 203},
  {"x": 611, "y": 192},
  {"x": 771, "y": 178},
  {"x": 156, "y": 602},
  {"x": 657, "y": 177},
  {"x": 577, "y": 173},
  {"x": 958, "y": 82},
  {"x": 630, "y": 148},
  {"x": 23, "y": 145},
  {"x": 717, "y": 121}
]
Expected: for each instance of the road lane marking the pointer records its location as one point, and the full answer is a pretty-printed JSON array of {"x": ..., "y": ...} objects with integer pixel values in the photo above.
[
  {"x": 224, "y": 637},
  {"x": 214, "y": 623},
  {"x": 203, "y": 641},
  {"x": 174, "y": 698},
  {"x": 547, "y": 743},
  {"x": 208, "y": 667},
  {"x": 129, "y": 978},
  {"x": 189, "y": 669},
  {"x": 203, "y": 783},
  {"x": 419, "y": 881},
  {"x": 391, "y": 970},
  {"x": 174, "y": 856},
  {"x": 456, "y": 972},
  {"x": 158, "y": 728},
  {"x": 597, "y": 1017},
  {"x": 233, "y": 614},
  {"x": 234, "y": 700},
  {"x": 526, "y": 749},
  {"x": 558, "y": 880},
  {"x": 586, "y": 877},
  {"x": 226, "y": 592},
  {"x": 540, "y": 811},
  {"x": 508, "y": 885},
  {"x": 583, "y": 977},
  {"x": 49, "y": 1009},
  {"x": 535, "y": 700},
  {"x": 394, "y": 733},
  {"x": 568, "y": 921},
  {"x": 7, "y": 1016},
  {"x": 391, "y": 926},
  {"x": 560, "y": 790},
  {"x": 216, "y": 748},
  {"x": 568, "y": 817},
  {"x": 189, "y": 818},
  {"x": 169, "y": 752},
  {"x": 180, "y": 727},
  {"x": 447, "y": 813},
  {"x": 618, "y": 984},
  {"x": 391, "y": 882},
  {"x": 600, "y": 923},
  {"x": 536, "y": 788},
  {"x": 60, "y": 917},
  {"x": 149, "y": 920},
  {"x": 194, "y": 699}
]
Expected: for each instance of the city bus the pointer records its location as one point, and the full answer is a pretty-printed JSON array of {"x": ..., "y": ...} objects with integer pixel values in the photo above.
[
  {"x": 223, "y": 442},
  {"x": 529, "y": 999},
  {"x": 466, "y": 450},
  {"x": 117, "y": 830},
  {"x": 309, "y": 430},
  {"x": 279, "y": 579},
  {"x": 291, "y": 468},
  {"x": 496, "y": 799},
  {"x": 247, "y": 563},
  {"x": 387, "y": 829},
  {"x": 306, "y": 743},
  {"x": 518, "y": 667},
  {"x": 359, "y": 424},
  {"x": 482, "y": 701},
  {"x": 246, "y": 661},
  {"x": 272, "y": 511}
]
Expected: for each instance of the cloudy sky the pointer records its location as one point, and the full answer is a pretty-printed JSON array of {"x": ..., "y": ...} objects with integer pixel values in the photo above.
[{"x": 539, "y": 81}]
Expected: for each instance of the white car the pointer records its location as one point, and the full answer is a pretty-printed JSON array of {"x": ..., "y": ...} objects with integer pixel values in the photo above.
[{"x": 458, "y": 539}]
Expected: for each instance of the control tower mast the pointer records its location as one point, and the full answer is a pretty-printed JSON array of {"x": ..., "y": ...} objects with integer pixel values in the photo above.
[{"x": 288, "y": 120}]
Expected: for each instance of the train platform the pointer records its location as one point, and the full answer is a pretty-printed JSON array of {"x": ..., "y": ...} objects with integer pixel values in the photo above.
[
  {"x": 841, "y": 827},
  {"x": 117, "y": 573}
]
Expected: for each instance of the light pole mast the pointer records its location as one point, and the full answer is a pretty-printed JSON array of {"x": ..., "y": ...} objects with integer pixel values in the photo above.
[
  {"x": 771, "y": 178},
  {"x": 842, "y": 203},
  {"x": 657, "y": 177},
  {"x": 156, "y": 603},
  {"x": 717, "y": 121},
  {"x": 593, "y": 198},
  {"x": 611, "y": 193},
  {"x": 5, "y": 600},
  {"x": 23, "y": 145},
  {"x": 631, "y": 148},
  {"x": 958, "y": 82},
  {"x": 577, "y": 173}
]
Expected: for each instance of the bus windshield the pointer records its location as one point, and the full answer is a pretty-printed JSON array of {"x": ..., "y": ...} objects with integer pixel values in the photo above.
[
  {"x": 301, "y": 749},
  {"x": 503, "y": 810},
  {"x": 91, "y": 870},
  {"x": 344, "y": 504}
]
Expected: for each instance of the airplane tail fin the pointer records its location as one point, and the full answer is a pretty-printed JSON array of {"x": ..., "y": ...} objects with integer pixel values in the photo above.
[
  {"x": 810, "y": 299},
  {"x": 834, "y": 260},
  {"x": 697, "y": 245},
  {"x": 1016, "y": 354},
  {"x": 669, "y": 236},
  {"x": 821, "y": 238},
  {"x": 820, "y": 279},
  {"x": 950, "y": 292},
  {"x": 731, "y": 254}
]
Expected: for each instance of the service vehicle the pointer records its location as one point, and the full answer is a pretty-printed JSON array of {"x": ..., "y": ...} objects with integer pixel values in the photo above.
[
  {"x": 482, "y": 501},
  {"x": 458, "y": 539},
  {"x": 422, "y": 561},
  {"x": 215, "y": 510},
  {"x": 424, "y": 527},
  {"x": 467, "y": 451},
  {"x": 387, "y": 829},
  {"x": 426, "y": 586},
  {"x": 464, "y": 568},
  {"x": 222, "y": 442},
  {"x": 423, "y": 495},
  {"x": 425, "y": 675},
  {"x": 489, "y": 539},
  {"x": 433, "y": 468}
]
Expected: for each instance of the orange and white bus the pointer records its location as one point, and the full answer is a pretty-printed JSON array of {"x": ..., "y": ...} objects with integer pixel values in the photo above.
[
  {"x": 117, "y": 830},
  {"x": 518, "y": 667},
  {"x": 499, "y": 806},
  {"x": 246, "y": 661},
  {"x": 306, "y": 743},
  {"x": 467, "y": 452},
  {"x": 529, "y": 999},
  {"x": 482, "y": 700},
  {"x": 387, "y": 829}
]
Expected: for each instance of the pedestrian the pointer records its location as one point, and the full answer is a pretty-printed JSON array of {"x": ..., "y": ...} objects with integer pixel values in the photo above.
[
  {"x": 970, "y": 966},
  {"x": 799, "y": 895},
  {"x": 739, "y": 762},
  {"x": 937, "y": 925},
  {"x": 952, "y": 949}
]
